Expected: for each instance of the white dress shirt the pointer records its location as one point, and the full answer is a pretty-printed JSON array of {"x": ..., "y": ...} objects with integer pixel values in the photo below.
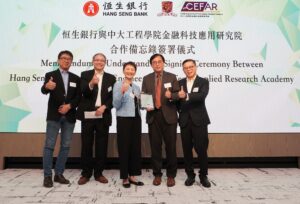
[
  {"x": 100, "y": 77},
  {"x": 190, "y": 83}
]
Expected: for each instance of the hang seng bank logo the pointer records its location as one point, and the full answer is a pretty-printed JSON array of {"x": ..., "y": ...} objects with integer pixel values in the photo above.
[
  {"x": 199, "y": 9},
  {"x": 91, "y": 8}
]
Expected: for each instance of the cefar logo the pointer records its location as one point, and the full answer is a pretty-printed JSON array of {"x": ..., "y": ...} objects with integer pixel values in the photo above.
[
  {"x": 91, "y": 8},
  {"x": 198, "y": 6},
  {"x": 200, "y": 9}
]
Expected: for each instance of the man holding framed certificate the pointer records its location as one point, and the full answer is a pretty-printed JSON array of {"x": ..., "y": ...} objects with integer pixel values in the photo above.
[{"x": 161, "y": 88}]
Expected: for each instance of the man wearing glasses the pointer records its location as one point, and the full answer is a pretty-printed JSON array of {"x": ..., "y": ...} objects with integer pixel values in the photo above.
[
  {"x": 162, "y": 118},
  {"x": 64, "y": 90},
  {"x": 94, "y": 111},
  {"x": 193, "y": 121}
]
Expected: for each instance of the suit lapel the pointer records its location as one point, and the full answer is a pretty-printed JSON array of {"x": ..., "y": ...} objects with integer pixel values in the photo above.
[
  {"x": 152, "y": 85},
  {"x": 104, "y": 78},
  {"x": 196, "y": 83},
  {"x": 163, "y": 81},
  {"x": 60, "y": 82}
]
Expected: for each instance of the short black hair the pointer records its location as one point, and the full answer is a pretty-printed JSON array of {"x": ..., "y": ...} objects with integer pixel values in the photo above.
[
  {"x": 66, "y": 52},
  {"x": 189, "y": 60},
  {"x": 157, "y": 55},
  {"x": 129, "y": 63}
]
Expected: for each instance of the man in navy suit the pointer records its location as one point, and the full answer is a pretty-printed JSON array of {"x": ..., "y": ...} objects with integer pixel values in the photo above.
[
  {"x": 64, "y": 89},
  {"x": 94, "y": 111},
  {"x": 193, "y": 121}
]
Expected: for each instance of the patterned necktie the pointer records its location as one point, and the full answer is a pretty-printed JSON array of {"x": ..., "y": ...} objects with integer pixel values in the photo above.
[{"x": 158, "y": 91}]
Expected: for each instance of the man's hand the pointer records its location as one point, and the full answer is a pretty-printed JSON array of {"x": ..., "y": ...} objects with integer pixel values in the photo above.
[
  {"x": 63, "y": 109},
  {"x": 168, "y": 93},
  {"x": 50, "y": 85},
  {"x": 94, "y": 81},
  {"x": 100, "y": 110},
  {"x": 181, "y": 93},
  {"x": 149, "y": 109}
]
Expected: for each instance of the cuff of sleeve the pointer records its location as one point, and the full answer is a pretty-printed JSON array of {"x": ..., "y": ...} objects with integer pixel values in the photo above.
[
  {"x": 187, "y": 97},
  {"x": 90, "y": 87}
]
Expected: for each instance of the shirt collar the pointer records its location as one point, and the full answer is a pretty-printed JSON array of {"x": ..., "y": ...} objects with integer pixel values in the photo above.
[
  {"x": 63, "y": 71},
  {"x": 158, "y": 74},
  {"x": 99, "y": 73},
  {"x": 191, "y": 80}
]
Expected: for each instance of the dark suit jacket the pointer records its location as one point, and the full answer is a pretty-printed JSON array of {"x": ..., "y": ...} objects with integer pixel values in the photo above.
[
  {"x": 195, "y": 106},
  {"x": 168, "y": 106},
  {"x": 89, "y": 96},
  {"x": 58, "y": 96}
]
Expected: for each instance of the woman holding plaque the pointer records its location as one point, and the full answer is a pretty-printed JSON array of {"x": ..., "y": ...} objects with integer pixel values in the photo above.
[{"x": 126, "y": 96}]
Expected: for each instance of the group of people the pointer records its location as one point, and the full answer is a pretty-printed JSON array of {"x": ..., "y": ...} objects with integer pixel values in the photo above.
[{"x": 91, "y": 97}]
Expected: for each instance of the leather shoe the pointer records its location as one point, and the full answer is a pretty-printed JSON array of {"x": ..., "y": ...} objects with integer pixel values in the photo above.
[
  {"x": 156, "y": 181},
  {"x": 189, "y": 181},
  {"x": 83, "y": 180},
  {"x": 205, "y": 182},
  {"x": 126, "y": 183},
  {"x": 101, "y": 179},
  {"x": 61, "y": 179},
  {"x": 137, "y": 183},
  {"x": 48, "y": 183},
  {"x": 170, "y": 182}
]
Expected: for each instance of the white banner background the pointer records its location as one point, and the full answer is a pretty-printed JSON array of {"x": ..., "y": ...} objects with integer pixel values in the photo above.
[{"x": 35, "y": 31}]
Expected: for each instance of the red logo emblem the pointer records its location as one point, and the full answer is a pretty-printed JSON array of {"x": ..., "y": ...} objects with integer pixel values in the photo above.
[
  {"x": 91, "y": 8},
  {"x": 167, "y": 6},
  {"x": 167, "y": 9}
]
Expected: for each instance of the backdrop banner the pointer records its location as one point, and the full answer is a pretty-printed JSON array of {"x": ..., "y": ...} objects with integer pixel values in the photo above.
[{"x": 249, "y": 50}]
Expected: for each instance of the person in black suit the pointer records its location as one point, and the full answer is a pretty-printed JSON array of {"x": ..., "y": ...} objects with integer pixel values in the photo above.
[
  {"x": 64, "y": 90},
  {"x": 162, "y": 120},
  {"x": 193, "y": 121},
  {"x": 94, "y": 111}
]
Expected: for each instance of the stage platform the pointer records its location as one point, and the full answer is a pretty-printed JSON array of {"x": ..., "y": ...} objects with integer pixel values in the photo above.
[{"x": 240, "y": 186}]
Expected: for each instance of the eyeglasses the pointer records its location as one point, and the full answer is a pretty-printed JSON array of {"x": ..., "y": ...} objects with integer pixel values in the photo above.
[
  {"x": 189, "y": 67},
  {"x": 157, "y": 62},
  {"x": 66, "y": 58},
  {"x": 99, "y": 60}
]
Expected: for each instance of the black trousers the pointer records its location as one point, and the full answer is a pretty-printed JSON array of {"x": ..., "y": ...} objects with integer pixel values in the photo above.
[
  {"x": 129, "y": 145},
  {"x": 160, "y": 130},
  {"x": 93, "y": 131},
  {"x": 195, "y": 137}
]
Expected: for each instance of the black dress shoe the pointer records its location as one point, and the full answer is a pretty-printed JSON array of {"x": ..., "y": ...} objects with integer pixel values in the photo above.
[
  {"x": 126, "y": 185},
  {"x": 205, "y": 182},
  {"x": 48, "y": 183},
  {"x": 137, "y": 183},
  {"x": 189, "y": 181},
  {"x": 61, "y": 179}
]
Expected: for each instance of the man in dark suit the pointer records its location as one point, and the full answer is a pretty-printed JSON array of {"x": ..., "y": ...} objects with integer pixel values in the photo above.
[
  {"x": 193, "y": 121},
  {"x": 94, "y": 111},
  {"x": 64, "y": 89},
  {"x": 162, "y": 120}
]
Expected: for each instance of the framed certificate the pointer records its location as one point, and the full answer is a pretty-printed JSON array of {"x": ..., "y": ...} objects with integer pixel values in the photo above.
[{"x": 146, "y": 101}]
